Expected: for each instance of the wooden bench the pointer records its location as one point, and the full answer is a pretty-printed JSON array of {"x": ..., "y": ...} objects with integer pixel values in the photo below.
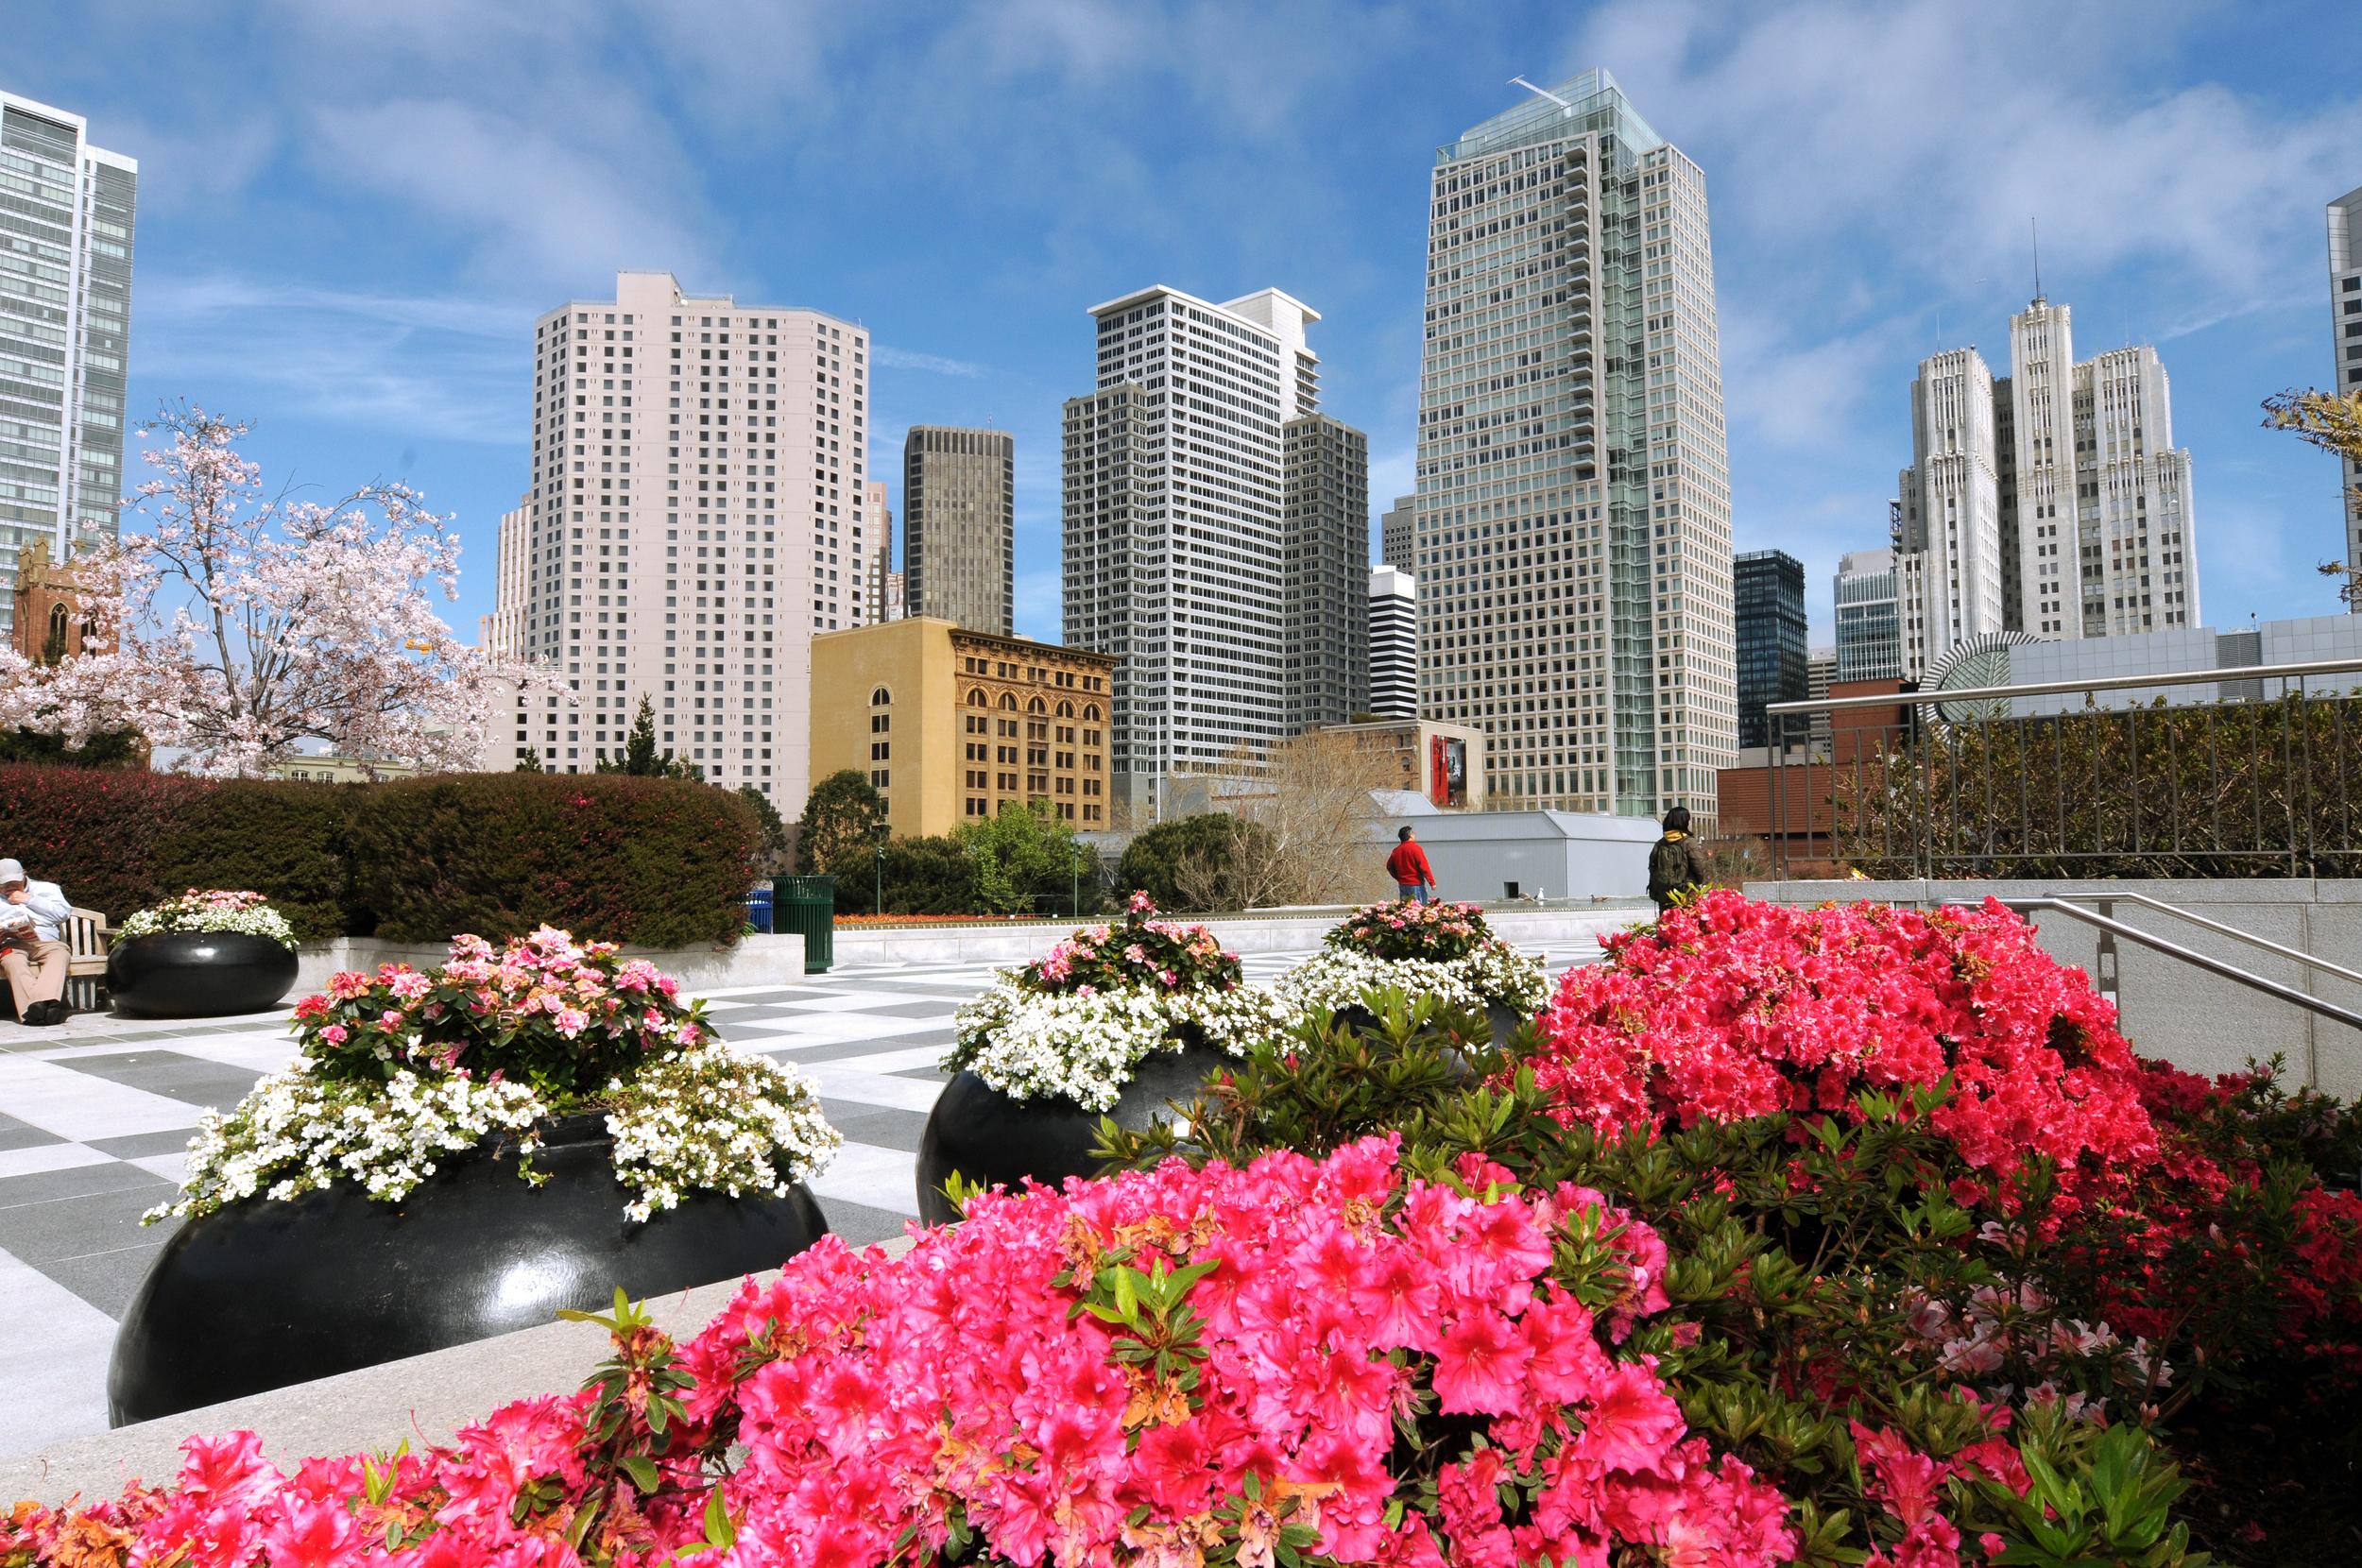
[{"x": 86, "y": 936}]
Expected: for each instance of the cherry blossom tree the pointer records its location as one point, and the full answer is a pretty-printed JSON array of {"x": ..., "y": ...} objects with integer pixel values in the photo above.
[{"x": 236, "y": 626}]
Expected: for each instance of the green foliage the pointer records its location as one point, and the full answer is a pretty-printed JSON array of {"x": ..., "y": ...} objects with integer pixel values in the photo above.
[
  {"x": 529, "y": 763},
  {"x": 1023, "y": 858},
  {"x": 843, "y": 820},
  {"x": 653, "y": 861},
  {"x": 1801, "y": 1255},
  {"x": 1189, "y": 864},
  {"x": 120, "y": 749},
  {"x": 642, "y": 860},
  {"x": 290, "y": 840},
  {"x": 775, "y": 850}
]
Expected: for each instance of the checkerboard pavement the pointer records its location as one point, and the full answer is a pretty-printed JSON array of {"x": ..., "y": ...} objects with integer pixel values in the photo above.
[{"x": 96, "y": 1116}]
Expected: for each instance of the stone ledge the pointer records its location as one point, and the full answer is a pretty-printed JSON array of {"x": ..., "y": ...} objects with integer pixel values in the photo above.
[{"x": 422, "y": 1398}]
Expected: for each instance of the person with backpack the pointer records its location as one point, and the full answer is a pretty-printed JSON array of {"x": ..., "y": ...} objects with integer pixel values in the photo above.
[{"x": 1677, "y": 863}]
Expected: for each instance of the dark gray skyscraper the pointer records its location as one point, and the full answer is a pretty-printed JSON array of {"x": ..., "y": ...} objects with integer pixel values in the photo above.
[
  {"x": 1395, "y": 531},
  {"x": 1324, "y": 546},
  {"x": 1769, "y": 587},
  {"x": 959, "y": 527}
]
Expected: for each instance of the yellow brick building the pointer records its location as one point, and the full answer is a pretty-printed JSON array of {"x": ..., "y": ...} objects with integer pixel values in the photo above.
[{"x": 953, "y": 726}]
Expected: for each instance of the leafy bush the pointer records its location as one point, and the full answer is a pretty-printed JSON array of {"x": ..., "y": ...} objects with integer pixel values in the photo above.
[
  {"x": 645, "y": 861},
  {"x": 1189, "y": 864},
  {"x": 662, "y": 862},
  {"x": 193, "y": 910},
  {"x": 1435, "y": 932},
  {"x": 1874, "y": 1283}
]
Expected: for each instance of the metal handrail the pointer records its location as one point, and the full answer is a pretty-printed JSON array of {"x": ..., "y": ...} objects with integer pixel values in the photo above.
[
  {"x": 2189, "y": 956},
  {"x": 2067, "y": 688},
  {"x": 2232, "y": 932}
]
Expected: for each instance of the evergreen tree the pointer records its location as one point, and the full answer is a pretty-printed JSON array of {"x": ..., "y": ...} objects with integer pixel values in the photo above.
[
  {"x": 530, "y": 762},
  {"x": 640, "y": 758},
  {"x": 775, "y": 851}
]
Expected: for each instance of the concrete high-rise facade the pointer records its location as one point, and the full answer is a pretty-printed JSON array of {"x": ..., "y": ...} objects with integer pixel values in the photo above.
[
  {"x": 2345, "y": 326},
  {"x": 669, "y": 545},
  {"x": 65, "y": 322},
  {"x": 1397, "y": 531},
  {"x": 1324, "y": 548},
  {"x": 959, "y": 527},
  {"x": 883, "y": 593},
  {"x": 1394, "y": 643},
  {"x": 1772, "y": 647},
  {"x": 1574, "y": 544},
  {"x": 2105, "y": 524},
  {"x": 1174, "y": 521},
  {"x": 1869, "y": 616},
  {"x": 1951, "y": 508}
]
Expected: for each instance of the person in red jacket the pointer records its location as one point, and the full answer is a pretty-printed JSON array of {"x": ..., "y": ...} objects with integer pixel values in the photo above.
[{"x": 1413, "y": 878}]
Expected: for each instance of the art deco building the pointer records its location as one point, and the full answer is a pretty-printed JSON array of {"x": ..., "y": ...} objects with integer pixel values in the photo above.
[{"x": 1574, "y": 511}]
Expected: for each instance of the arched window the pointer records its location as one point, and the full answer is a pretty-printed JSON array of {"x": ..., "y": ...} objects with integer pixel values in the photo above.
[
  {"x": 1039, "y": 706},
  {"x": 976, "y": 699},
  {"x": 1091, "y": 712},
  {"x": 881, "y": 697},
  {"x": 1066, "y": 710},
  {"x": 1008, "y": 701}
]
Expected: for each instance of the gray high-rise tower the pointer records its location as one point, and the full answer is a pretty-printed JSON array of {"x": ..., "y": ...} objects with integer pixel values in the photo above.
[
  {"x": 1324, "y": 545},
  {"x": 1174, "y": 507},
  {"x": 1574, "y": 538},
  {"x": 65, "y": 309},
  {"x": 959, "y": 527}
]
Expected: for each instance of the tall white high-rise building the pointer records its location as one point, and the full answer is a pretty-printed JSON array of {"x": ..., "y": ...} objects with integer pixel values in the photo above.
[
  {"x": 696, "y": 513},
  {"x": 1574, "y": 512},
  {"x": 1951, "y": 509},
  {"x": 2105, "y": 505},
  {"x": 1174, "y": 520},
  {"x": 1869, "y": 618},
  {"x": 1394, "y": 643},
  {"x": 65, "y": 321},
  {"x": 2345, "y": 327}
]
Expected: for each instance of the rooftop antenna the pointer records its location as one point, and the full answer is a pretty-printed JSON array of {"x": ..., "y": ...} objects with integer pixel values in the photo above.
[
  {"x": 1564, "y": 108},
  {"x": 2036, "y": 227}
]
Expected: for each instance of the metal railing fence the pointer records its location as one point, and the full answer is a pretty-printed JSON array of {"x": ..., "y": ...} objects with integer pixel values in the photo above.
[{"x": 1960, "y": 784}]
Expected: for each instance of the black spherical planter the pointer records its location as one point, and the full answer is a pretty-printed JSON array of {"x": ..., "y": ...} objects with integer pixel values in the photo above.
[
  {"x": 261, "y": 1294},
  {"x": 198, "y": 974},
  {"x": 994, "y": 1140}
]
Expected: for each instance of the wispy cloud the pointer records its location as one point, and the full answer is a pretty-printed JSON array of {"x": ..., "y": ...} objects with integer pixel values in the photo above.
[{"x": 902, "y": 359}]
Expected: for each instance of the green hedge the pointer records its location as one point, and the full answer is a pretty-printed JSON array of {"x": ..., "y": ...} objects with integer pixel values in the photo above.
[{"x": 658, "y": 862}]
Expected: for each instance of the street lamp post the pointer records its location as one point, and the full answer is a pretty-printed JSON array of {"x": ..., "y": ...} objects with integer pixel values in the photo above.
[{"x": 877, "y": 885}]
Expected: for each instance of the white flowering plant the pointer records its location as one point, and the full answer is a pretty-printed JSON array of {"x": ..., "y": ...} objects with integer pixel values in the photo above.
[
  {"x": 405, "y": 1065},
  {"x": 1076, "y": 1023},
  {"x": 1440, "y": 950},
  {"x": 201, "y": 910}
]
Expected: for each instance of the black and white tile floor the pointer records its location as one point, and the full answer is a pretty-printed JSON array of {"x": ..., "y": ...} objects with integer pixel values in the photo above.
[{"x": 94, "y": 1117}]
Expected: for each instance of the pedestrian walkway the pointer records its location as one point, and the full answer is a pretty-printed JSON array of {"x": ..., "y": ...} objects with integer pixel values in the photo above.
[{"x": 96, "y": 1116}]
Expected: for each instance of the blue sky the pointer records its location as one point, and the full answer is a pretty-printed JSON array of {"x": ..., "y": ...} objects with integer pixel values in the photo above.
[{"x": 352, "y": 211}]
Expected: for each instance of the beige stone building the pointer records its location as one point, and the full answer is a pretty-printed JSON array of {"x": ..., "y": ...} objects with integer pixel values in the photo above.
[
  {"x": 953, "y": 726},
  {"x": 1443, "y": 762}
]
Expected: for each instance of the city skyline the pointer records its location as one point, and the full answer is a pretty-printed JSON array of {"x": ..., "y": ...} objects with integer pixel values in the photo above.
[{"x": 386, "y": 358}]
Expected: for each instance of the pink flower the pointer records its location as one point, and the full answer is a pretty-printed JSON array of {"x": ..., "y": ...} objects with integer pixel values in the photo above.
[
  {"x": 1480, "y": 1366},
  {"x": 334, "y": 1034}
]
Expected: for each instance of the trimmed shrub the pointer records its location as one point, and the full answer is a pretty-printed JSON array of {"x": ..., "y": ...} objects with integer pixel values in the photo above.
[
  {"x": 661, "y": 862},
  {"x": 292, "y": 841},
  {"x": 654, "y": 862},
  {"x": 96, "y": 831}
]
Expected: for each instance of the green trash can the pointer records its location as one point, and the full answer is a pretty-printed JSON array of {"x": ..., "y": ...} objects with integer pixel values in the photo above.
[{"x": 807, "y": 905}]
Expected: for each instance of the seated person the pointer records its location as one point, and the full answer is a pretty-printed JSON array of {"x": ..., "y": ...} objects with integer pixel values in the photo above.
[{"x": 35, "y": 957}]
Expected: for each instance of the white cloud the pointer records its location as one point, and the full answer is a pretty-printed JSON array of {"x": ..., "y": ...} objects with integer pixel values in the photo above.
[{"x": 902, "y": 359}]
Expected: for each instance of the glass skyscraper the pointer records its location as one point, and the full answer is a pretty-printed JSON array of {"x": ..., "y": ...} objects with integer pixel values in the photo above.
[
  {"x": 66, "y": 320},
  {"x": 1772, "y": 647},
  {"x": 1574, "y": 527}
]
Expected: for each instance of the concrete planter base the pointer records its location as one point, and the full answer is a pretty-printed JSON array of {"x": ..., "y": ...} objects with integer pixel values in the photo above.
[{"x": 757, "y": 960}]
